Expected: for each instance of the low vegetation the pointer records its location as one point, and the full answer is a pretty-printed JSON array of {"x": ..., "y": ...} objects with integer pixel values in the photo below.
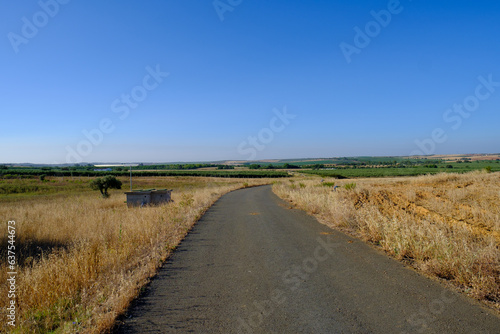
[
  {"x": 82, "y": 259},
  {"x": 339, "y": 168},
  {"x": 445, "y": 225},
  {"x": 400, "y": 169},
  {"x": 20, "y": 173},
  {"x": 104, "y": 183}
]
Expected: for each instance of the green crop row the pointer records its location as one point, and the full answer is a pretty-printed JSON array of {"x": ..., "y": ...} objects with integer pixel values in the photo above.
[
  {"x": 11, "y": 173},
  {"x": 408, "y": 171}
]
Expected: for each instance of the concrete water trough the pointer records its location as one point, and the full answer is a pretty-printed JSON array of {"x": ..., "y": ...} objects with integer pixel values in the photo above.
[{"x": 148, "y": 197}]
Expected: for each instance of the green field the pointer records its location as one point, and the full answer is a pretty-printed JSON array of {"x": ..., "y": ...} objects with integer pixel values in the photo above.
[
  {"x": 343, "y": 167},
  {"x": 36, "y": 172},
  {"x": 370, "y": 171}
]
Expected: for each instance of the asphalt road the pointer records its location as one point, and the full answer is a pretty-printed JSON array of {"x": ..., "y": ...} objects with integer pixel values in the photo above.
[{"x": 252, "y": 265}]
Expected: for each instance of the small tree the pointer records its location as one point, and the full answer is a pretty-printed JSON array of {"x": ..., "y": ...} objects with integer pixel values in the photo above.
[{"x": 105, "y": 183}]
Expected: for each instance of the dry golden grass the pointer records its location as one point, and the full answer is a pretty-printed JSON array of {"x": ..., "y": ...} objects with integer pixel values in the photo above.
[
  {"x": 446, "y": 225},
  {"x": 82, "y": 259}
]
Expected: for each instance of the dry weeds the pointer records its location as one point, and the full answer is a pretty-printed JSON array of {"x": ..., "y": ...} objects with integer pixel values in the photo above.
[{"x": 446, "y": 225}]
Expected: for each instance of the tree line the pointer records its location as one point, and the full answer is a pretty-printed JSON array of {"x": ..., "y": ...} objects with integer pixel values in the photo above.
[{"x": 213, "y": 173}]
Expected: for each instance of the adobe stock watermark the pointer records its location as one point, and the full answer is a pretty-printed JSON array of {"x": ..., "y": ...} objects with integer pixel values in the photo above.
[
  {"x": 254, "y": 144},
  {"x": 427, "y": 314},
  {"x": 120, "y": 106},
  {"x": 30, "y": 27},
  {"x": 291, "y": 279},
  {"x": 457, "y": 114},
  {"x": 371, "y": 29},
  {"x": 221, "y": 7}
]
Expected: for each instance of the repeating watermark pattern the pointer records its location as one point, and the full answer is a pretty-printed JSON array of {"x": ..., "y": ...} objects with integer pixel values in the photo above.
[
  {"x": 427, "y": 314},
  {"x": 221, "y": 7},
  {"x": 254, "y": 144},
  {"x": 31, "y": 27},
  {"x": 121, "y": 106},
  {"x": 457, "y": 114},
  {"x": 11, "y": 273},
  {"x": 372, "y": 29},
  {"x": 291, "y": 279}
]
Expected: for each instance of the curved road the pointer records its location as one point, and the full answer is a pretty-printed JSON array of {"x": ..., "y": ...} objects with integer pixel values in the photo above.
[{"x": 252, "y": 265}]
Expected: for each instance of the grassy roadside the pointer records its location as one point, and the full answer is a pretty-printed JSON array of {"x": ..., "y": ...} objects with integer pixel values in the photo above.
[
  {"x": 445, "y": 225},
  {"x": 83, "y": 259}
]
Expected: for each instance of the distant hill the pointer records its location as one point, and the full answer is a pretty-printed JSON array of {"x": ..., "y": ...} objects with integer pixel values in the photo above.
[{"x": 302, "y": 161}]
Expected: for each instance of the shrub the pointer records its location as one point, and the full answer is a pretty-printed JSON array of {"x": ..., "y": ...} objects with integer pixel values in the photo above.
[
  {"x": 350, "y": 186},
  {"x": 186, "y": 200},
  {"x": 105, "y": 183}
]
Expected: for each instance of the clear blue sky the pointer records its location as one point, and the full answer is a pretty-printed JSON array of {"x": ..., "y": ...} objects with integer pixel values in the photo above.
[{"x": 71, "y": 67}]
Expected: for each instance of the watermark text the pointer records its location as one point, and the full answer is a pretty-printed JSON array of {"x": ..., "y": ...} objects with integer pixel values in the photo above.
[
  {"x": 456, "y": 114},
  {"x": 221, "y": 7},
  {"x": 121, "y": 106},
  {"x": 11, "y": 272},
  {"x": 31, "y": 26},
  {"x": 254, "y": 144}
]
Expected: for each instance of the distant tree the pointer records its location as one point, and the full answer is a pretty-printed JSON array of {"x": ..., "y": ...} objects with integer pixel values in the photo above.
[
  {"x": 318, "y": 166},
  {"x": 225, "y": 167},
  {"x": 3, "y": 167},
  {"x": 104, "y": 183},
  {"x": 42, "y": 177},
  {"x": 290, "y": 166}
]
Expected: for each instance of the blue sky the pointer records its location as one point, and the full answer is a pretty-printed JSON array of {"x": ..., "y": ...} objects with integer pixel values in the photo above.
[{"x": 185, "y": 80}]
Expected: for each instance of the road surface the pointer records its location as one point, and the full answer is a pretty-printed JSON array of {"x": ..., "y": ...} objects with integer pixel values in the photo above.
[{"x": 253, "y": 265}]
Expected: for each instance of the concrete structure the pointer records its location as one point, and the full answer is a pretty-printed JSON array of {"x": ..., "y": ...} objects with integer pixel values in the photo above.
[{"x": 148, "y": 197}]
